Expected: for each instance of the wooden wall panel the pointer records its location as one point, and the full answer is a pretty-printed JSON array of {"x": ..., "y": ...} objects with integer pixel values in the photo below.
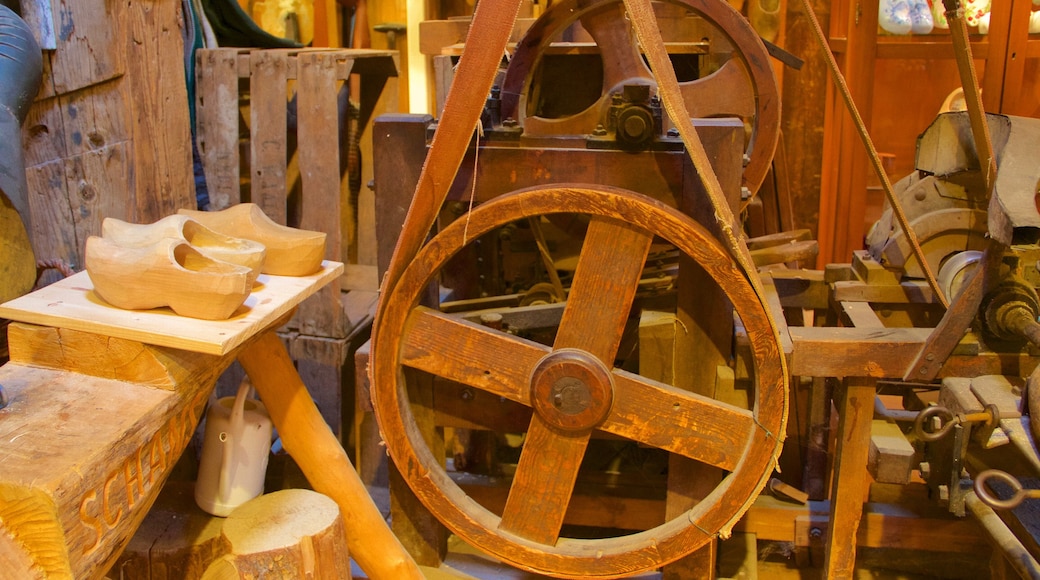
[{"x": 114, "y": 139}]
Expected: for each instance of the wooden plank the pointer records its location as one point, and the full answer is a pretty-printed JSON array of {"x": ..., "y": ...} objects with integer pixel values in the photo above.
[
  {"x": 92, "y": 39},
  {"x": 899, "y": 527},
  {"x": 97, "y": 185},
  {"x": 319, "y": 361},
  {"x": 39, "y": 16},
  {"x": 849, "y": 480},
  {"x": 71, "y": 303},
  {"x": 53, "y": 231},
  {"x": 317, "y": 110},
  {"x": 163, "y": 177},
  {"x": 801, "y": 288},
  {"x": 861, "y": 315},
  {"x": 43, "y": 136},
  {"x": 267, "y": 112},
  {"x": 817, "y": 451},
  {"x": 839, "y": 352},
  {"x": 399, "y": 143},
  {"x": 216, "y": 124}
]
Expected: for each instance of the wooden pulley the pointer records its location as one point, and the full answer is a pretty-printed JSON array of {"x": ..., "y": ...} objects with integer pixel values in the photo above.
[
  {"x": 574, "y": 389},
  {"x": 734, "y": 79}
]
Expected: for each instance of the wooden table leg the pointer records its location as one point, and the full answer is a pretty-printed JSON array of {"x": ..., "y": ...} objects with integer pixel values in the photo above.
[
  {"x": 850, "y": 476},
  {"x": 310, "y": 442}
]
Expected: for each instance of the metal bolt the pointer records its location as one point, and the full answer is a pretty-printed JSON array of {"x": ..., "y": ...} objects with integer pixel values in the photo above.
[
  {"x": 466, "y": 394},
  {"x": 815, "y": 533}
]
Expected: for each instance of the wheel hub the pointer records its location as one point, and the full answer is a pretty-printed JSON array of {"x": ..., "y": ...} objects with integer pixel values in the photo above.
[{"x": 571, "y": 390}]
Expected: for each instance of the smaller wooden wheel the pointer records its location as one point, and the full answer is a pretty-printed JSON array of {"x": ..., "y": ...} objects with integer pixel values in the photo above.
[
  {"x": 574, "y": 389},
  {"x": 743, "y": 84}
]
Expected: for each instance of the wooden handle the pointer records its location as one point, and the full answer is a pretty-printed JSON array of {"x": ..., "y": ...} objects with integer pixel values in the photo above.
[{"x": 310, "y": 442}]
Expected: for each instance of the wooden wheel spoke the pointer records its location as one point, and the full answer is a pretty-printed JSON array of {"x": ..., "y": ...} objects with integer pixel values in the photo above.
[
  {"x": 704, "y": 99},
  {"x": 468, "y": 353},
  {"x": 543, "y": 483},
  {"x": 678, "y": 421},
  {"x": 613, "y": 35},
  {"x": 611, "y": 262}
]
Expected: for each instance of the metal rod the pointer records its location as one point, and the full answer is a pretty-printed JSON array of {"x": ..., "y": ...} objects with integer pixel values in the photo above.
[
  {"x": 1015, "y": 554},
  {"x": 875, "y": 159}
]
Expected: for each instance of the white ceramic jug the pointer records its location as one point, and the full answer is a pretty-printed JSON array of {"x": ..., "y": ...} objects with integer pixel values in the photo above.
[{"x": 235, "y": 448}]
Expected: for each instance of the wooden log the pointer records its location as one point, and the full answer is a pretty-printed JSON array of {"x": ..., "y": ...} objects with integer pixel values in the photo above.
[
  {"x": 293, "y": 533},
  {"x": 318, "y": 453}
]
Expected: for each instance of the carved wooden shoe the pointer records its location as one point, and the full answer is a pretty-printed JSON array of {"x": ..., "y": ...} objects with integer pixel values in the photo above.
[
  {"x": 170, "y": 273},
  {"x": 290, "y": 251},
  {"x": 213, "y": 244}
]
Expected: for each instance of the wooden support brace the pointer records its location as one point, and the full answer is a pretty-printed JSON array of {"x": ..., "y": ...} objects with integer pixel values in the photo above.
[
  {"x": 849, "y": 479},
  {"x": 307, "y": 437}
]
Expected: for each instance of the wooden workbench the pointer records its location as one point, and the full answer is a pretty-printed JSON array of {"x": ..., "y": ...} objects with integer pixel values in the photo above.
[{"x": 103, "y": 401}]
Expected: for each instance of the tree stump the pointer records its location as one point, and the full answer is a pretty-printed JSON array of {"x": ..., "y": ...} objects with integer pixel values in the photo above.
[{"x": 293, "y": 533}]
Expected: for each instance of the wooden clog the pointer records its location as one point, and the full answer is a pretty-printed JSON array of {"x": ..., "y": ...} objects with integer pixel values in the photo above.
[
  {"x": 290, "y": 251},
  {"x": 213, "y": 244},
  {"x": 170, "y": 273}
]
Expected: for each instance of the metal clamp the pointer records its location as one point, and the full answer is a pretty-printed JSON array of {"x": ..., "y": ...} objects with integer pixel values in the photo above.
[
  {"x": 989, "y": 417},
  {"x": 987, "y": 496}
]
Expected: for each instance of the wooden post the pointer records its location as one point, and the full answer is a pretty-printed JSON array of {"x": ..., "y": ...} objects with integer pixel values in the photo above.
[
  {"x": 307, "y": 437},
  {"x": 706, "y": 318},
  {"x": 850, "y": 475}
]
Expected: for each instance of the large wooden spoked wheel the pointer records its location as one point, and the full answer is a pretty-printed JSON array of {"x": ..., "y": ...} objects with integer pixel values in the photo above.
[
  {"x": 744, "y": 84},
  {"x": 574, "y": 389}
]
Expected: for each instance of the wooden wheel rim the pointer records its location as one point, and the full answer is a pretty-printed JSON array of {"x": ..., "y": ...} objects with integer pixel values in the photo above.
[
  {"x": 747, "y": 43},
  {"x": 573, "y": 557}
]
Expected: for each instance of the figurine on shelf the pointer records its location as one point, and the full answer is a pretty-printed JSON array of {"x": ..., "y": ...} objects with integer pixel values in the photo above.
[
  {"x": 894, "y": 16},
  {"x": 974, "y": 10},
  {"x": 939, "y": 14},
  {"x": 921, "y": 17}
]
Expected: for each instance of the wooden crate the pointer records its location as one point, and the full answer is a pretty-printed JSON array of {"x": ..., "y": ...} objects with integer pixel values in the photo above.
[{"x": 243, "y": 99}]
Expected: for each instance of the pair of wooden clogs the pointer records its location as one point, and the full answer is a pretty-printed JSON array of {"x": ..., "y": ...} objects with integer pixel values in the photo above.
[{"x": 199, "y": 264}]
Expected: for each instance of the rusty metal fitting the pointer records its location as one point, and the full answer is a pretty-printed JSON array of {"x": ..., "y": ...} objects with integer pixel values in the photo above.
[
  {"x": 989, "y": 417},
  {"x": 986, "y": 495}
]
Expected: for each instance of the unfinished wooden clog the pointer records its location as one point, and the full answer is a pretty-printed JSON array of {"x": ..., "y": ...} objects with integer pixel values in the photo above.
[
  {"x": 213, "y": 244},
  {"x": 290, "y": 251},
  {"x": 170, "y": 273}
]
